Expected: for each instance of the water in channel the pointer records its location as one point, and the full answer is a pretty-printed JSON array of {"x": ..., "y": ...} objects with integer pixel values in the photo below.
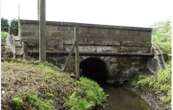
[
  {"x": 119, "y": 98},
  {"x": 123, "y": 99}
]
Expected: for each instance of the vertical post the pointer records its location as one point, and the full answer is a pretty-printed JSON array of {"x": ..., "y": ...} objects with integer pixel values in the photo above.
[
  {"x": 25, "y": 54},
  {"x": 76, "y": 55},
  {"x": 19, "y": 21},
  {"x": 42, "y": 26},
  {"x": 14, "y": 54},
  {"x": 38, "y": 9}
]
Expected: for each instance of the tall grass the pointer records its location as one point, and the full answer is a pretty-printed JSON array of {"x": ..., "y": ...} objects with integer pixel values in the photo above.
[{"x": 159, "y": 83}]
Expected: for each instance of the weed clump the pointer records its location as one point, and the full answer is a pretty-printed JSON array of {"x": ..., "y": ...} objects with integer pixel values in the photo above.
[
  {"x": 89, "y": 96},
  {"x": 17, "y": 102}
]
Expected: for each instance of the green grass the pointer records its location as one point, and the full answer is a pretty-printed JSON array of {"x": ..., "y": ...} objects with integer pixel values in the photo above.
[
  {"x": 159, "y": 83},
  {"x": 21, "y": 101}
]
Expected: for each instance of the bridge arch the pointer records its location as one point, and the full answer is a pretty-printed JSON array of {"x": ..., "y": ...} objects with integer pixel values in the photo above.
[{"x": 94, "y": 68}]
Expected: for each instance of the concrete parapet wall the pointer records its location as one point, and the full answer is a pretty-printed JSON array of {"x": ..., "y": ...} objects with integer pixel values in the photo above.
[{"x": 92, "y": 38}]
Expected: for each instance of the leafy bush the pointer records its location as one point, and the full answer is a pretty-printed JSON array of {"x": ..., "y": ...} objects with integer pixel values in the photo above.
[
  {"x": 4, "y": 35},
  {"x": 160, "y": 83},
  {"x": 162, "y": 35},
  {"x": 89, "y": 96}
]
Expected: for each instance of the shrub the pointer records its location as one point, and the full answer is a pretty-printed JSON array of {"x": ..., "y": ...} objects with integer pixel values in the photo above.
[{"x": 4, "y": 35}]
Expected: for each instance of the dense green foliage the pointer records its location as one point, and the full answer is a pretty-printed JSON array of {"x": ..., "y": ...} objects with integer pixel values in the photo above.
[
  {"x": 4, "y": 25},
  {"x": 89, "y": 96},
  {"x": 162, "y": 35},
  {"x": 14, "y": 27}
]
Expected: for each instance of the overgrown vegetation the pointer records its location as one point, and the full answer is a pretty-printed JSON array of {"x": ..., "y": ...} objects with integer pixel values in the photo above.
[
  {"x": 159, "y": 83},
  {"x": 4, "y": 25},
  {"x": 31, "y": 101},
  {"x": 14, "y": 27},
  {"x": 42, "y": 86},
  {"x": 162, "y": 35},
  {"x": 92, "y": 97}
]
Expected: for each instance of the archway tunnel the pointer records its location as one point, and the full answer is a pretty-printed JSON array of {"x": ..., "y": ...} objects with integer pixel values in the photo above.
[{"x": 94, "y": 68}]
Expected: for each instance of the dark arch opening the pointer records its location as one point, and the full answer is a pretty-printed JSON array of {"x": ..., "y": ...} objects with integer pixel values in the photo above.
[{"x": 94, "y": 68}]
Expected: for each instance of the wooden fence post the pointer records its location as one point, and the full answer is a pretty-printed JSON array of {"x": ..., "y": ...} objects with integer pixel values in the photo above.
[
  {"x": 76, "y": 55},
  {"x": 25, "y": 52}
]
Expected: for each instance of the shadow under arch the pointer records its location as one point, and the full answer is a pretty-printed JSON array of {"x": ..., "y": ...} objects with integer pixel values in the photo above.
[{"x": 94, "y": 68}]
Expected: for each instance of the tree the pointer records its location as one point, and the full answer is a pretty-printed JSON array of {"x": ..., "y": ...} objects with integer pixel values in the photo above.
[
  {"x": 4, "y": 25},
  {"x": 14, "y": 27}
]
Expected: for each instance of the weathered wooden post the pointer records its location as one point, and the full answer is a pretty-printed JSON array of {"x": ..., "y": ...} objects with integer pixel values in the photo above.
[
  {"x": 42, "y": 29},
  {"x": 25, "y": 48},
  {"x": 76, "y": 55}
]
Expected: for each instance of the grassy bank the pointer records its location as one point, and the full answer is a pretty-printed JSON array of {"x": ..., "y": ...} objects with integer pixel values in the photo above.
[
  {"x": 36, "y": 86},
  {"x": 160, "y": 83}
]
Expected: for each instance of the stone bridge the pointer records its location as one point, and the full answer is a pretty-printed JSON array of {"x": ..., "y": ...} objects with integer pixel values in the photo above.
[{"x": 111, "y": 53}]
